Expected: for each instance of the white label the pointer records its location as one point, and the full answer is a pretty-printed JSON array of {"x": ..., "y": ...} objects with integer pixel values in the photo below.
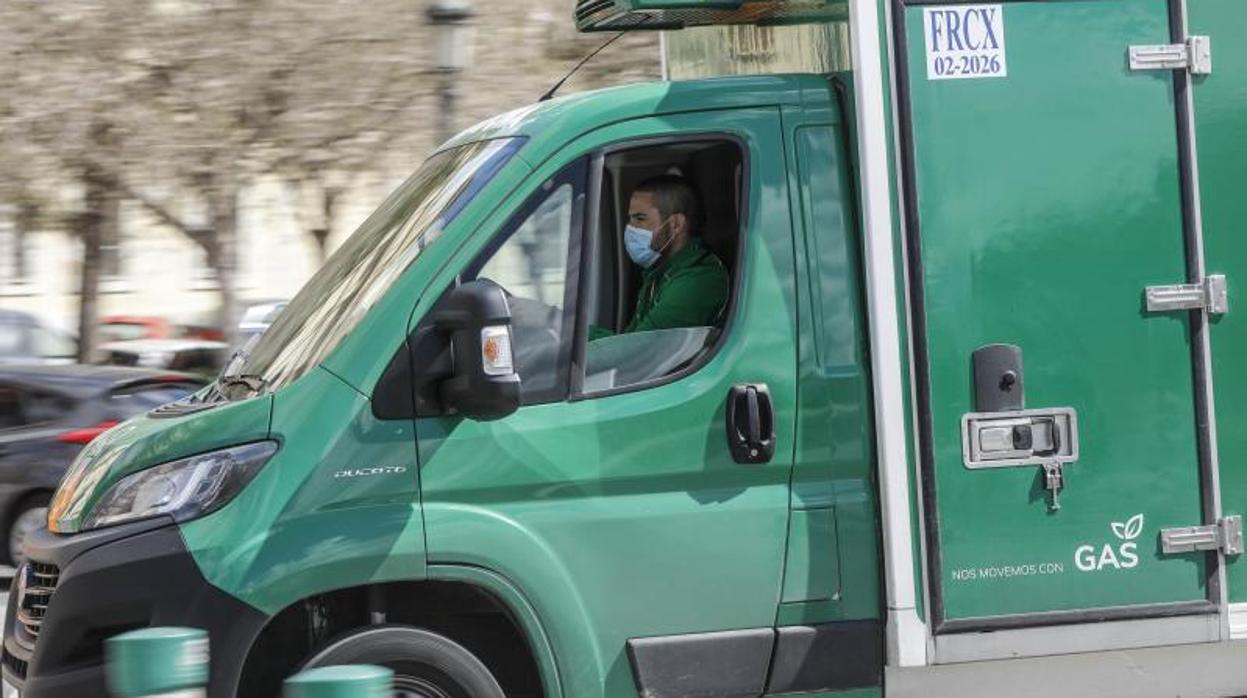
[{"x": 965, "y": 41}]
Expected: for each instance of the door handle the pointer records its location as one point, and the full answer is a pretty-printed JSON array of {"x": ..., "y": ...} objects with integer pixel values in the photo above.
[{"x": 750, "y": 423}]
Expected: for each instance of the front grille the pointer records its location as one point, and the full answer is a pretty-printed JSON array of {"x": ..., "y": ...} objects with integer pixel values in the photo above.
[
  {"x": 15, "y": 666},
  {"x": 36, "y": 583}
]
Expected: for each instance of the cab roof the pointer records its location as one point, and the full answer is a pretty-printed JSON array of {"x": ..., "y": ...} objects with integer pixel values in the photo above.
[{"x": 550, "y": 125}]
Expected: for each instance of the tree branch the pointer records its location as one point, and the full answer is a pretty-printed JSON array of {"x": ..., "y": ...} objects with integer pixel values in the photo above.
[{"x": 200, "y": 235}]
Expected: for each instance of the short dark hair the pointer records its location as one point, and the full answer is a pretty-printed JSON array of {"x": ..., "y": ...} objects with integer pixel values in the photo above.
[{"x": 672, "y": 194}]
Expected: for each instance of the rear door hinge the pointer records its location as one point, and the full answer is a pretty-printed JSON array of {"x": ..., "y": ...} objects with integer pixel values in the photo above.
[
  {"x": 1195, "y": 55},
  {"x": 1212, "y": 295},
  {"x": 1226, "y": 535}
]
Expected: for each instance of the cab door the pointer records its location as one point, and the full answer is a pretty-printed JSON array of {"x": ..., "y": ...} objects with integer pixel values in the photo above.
[
  {"x": 617, "y": 508},
  {"x": 1060, "y": 422}
]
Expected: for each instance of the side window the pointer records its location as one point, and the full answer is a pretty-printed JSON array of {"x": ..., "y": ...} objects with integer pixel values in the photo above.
[
  {"x": 671, "y": 222},
  {"x": 535, "y": 259}
]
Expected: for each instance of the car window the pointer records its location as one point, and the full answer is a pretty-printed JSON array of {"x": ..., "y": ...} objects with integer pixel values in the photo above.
[
  {"x": 51, "y": 344},
  {"x": 197, "y": 360},
  {"x": 11, "y": 340},
  {"x": 657, "y": 313},
  {"x": 120, "y": 358},
  {"x": 39, "y": 407},
  {"x": 531, "y": 259},
  {"x": 638, "y": 357},
  {"x": 11, "y": 415}
]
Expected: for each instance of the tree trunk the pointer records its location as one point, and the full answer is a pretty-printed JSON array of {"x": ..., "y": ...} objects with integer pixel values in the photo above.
[
  {"x": 25, "y": 223},
  {"x": 224, "y": 255},
  {"x": 98, "y": 216},
  {"x": 322, "y": 232}
]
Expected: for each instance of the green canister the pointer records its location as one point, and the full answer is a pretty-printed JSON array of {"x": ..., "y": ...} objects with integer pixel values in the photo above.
[
  {"x": 166, "y": 662},
  {"x": 346, "y": 681}
]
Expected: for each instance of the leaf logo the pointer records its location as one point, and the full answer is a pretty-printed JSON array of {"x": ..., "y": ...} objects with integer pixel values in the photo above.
[{"x": 1129, "y": 530}]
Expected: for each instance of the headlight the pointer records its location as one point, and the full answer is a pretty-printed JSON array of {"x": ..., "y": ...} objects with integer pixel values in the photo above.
[{"x": 185, "y": 489}]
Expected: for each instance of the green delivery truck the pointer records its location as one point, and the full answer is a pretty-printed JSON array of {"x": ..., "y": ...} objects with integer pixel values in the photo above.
[{"x": 968, "y": 422}]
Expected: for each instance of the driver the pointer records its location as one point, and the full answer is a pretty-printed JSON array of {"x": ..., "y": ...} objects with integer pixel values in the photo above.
[{"x": 683, "y": 284}]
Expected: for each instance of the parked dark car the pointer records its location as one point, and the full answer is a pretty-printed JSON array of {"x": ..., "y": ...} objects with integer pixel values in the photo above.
[{"x": 48, "y": 414}]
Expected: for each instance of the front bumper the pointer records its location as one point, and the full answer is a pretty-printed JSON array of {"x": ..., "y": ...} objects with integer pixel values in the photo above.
[{"x": 107, "y": 582}]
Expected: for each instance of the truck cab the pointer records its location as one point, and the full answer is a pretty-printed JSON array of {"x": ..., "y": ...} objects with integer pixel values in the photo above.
[{"x": 428, "y": 440}]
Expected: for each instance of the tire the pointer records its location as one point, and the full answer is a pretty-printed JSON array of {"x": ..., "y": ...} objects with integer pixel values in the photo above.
[
  {"x": 31, "y": 514},
  {"x": 425, "y": 664}
]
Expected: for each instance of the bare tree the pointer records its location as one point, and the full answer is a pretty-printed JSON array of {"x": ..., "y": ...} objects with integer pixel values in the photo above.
[{"x": 180, "y": 105}]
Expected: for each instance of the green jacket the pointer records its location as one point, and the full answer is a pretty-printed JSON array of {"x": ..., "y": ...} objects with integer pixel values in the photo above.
[{"x": 688, "y": 290}]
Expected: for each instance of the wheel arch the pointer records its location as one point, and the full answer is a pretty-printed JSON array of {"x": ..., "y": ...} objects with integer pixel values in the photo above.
[
  {"x": 305, "y": 625},
  {"x": 522, "y": 612}
]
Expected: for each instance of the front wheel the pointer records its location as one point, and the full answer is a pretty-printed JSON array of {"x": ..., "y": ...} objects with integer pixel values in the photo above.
[{"x": 425, "y": 664}]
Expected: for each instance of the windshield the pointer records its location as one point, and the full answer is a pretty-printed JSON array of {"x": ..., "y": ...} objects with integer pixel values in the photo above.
[{"x": 333, "y": 302}]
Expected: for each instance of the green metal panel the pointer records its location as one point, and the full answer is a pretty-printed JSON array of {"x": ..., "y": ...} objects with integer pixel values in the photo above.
[
  {"x": 616, "y": 15},
  {"x": 1048, "y": 200},
  {"x": 347, "y": 681},
  {"x": 812, "y": 567},
  {"x": 1221, "y": 117},
  {"x": 157, "y": 662},
  {"x": 834, "y": 462},
  {"x": 337, "y": 506},
  {"x": 625, "y": 516}
]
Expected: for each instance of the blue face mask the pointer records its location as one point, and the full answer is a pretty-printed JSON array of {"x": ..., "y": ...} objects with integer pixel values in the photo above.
[{"x": 637, "y": 242}]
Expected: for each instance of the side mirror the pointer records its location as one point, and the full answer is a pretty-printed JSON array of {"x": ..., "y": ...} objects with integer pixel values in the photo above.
[{"x": 477, "y": 319}]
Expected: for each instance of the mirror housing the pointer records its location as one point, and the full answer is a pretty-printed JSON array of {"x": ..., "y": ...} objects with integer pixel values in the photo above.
[{"x": 476, "y": 318}]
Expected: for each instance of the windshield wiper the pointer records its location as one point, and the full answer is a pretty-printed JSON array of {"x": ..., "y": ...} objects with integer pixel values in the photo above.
[{"x": 253, "y": 383}]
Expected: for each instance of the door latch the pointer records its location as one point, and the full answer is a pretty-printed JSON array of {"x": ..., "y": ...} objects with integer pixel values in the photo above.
[
  {"x": 1195, "y": 55},
  {"x": 1019, "y": 437},
  {"x": 750, "y": 423},
  {"x": 1212, "y": 295},
  {"x": 1225, "y": 535},
  {"x": 1053, "y": 482}
]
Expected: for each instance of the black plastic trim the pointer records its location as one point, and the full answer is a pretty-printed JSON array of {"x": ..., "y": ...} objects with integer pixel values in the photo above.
[
  {"x": 727, "y": 664},
  {"x": 115, "y": 579},
  {"x": 60, "y": 550},
  {"x": 394, "y": 395},
  {"x": 827, "y": 657}
]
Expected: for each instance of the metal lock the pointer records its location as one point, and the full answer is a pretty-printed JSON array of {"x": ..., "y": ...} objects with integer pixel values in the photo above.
[{"x": 1022, "y": 437}]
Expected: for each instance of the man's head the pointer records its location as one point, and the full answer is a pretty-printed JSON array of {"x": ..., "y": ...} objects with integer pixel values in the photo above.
[{"x": 667, "y": 207}]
